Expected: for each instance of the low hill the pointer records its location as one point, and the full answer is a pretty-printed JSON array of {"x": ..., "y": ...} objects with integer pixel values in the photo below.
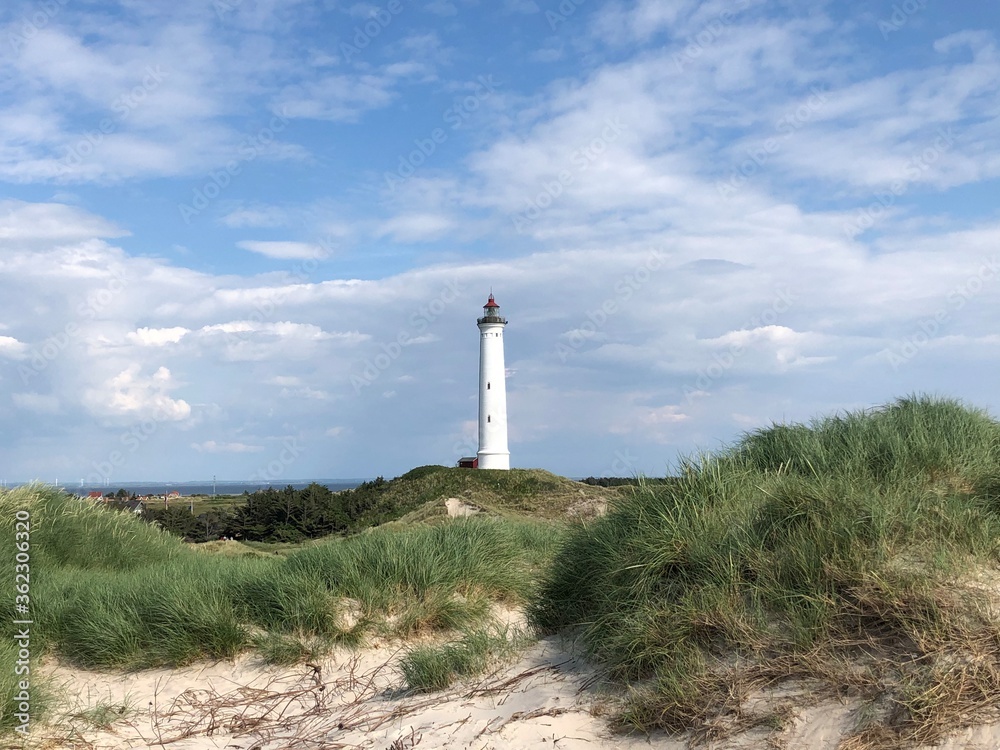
[
  {"x": 290, "y": 516},
  {"x": 429, "y": 492}
]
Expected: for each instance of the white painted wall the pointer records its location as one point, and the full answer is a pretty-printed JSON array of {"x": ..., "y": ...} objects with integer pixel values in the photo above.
[{"x": 493, "y": 452}]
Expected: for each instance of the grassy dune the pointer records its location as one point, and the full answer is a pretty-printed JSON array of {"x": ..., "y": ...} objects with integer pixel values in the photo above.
[
  {"x": 111, "y": 592},
  {"x": 418, "y": 495},
  {"x": 843, "y": 554}
]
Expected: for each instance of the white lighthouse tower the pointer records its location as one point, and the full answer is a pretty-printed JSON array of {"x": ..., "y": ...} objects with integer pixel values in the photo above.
[{"x": 493, "y": 453}]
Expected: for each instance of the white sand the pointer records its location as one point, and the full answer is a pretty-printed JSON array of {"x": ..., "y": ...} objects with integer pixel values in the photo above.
[
  {"x": 547, "y": 699},
  {"x": 537, "y": 702}
]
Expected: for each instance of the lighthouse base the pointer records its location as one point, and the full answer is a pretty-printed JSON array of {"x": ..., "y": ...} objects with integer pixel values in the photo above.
[{"x": 494, "y": 460}]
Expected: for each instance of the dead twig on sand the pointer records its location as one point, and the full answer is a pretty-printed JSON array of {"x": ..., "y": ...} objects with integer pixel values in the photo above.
[{"x": 301, "y": 710}]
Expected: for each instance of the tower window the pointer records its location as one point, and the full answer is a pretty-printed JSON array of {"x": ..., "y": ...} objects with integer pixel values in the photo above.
[
  {"x": 487, "y": 386},
  {"x": 489, "y": 418}
]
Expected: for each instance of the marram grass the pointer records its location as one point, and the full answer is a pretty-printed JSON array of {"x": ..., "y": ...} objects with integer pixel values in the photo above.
[
  {"x": 431, "y": 667},
  {"x": 801, "y": 550},
  {"x": 111, "y": 592}
]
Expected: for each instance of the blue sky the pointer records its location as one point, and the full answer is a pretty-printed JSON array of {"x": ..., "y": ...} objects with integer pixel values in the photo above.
[{"x": 218, "y": 219}]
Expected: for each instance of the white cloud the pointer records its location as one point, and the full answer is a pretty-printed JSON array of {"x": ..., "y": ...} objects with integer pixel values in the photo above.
[
  {"x": 283, "y": 250},
  {"x": 158, "y": 336},
  {"x": 416, "y": 227},
  {"x": 211, "y": 446},
  {"x": 51, "y": 222},
  {"x": 251, "y": 340},
  {"x": 772, "y": 348},
  {"x": 283, "y": 329},
  {"x": 11, "y": 347},
  {"x": 129, "y": 394},
  {"x": 256, "y": 217},
  {"x": 306, "y": 393},
  {"x": 340, "y": 98},
  {"x": 108, "y": 102}
]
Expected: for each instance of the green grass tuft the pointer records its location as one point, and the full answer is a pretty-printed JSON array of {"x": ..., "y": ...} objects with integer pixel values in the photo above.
[
  {"x": 435, "y": 667},
  {"x": 287, "y": 650}
]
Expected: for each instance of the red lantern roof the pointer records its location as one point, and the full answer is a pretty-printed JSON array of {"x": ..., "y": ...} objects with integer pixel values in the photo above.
[{"x": 491, "y": 302}]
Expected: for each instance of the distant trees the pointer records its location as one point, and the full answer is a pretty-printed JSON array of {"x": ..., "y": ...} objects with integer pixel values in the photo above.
[
  {"x": 287, "y": 515},
  {"x": 619, "y": 481},
  {"x": 291, "y": 515},
  {"x": 176, "y": 519},
  {"x": 609, "y": 481},
  {"x": 277, "y": 515}
]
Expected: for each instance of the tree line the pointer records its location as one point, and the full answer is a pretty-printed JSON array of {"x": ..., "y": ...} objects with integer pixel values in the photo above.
[
  {"x": 626, "y": 481},
  {"x": 279, "y": 515}
]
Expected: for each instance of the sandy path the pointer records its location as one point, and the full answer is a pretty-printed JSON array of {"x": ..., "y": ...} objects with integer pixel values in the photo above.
[
  {"x": 354, "y": 700},
  {"x": 547, "y": 699}
]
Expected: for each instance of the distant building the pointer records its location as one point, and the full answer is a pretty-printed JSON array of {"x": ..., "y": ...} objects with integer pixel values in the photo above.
[{"x": 468, "y": 462}]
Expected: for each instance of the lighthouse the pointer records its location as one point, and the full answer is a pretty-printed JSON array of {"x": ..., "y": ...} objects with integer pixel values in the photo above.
[{"x": 493, "y": 453}]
